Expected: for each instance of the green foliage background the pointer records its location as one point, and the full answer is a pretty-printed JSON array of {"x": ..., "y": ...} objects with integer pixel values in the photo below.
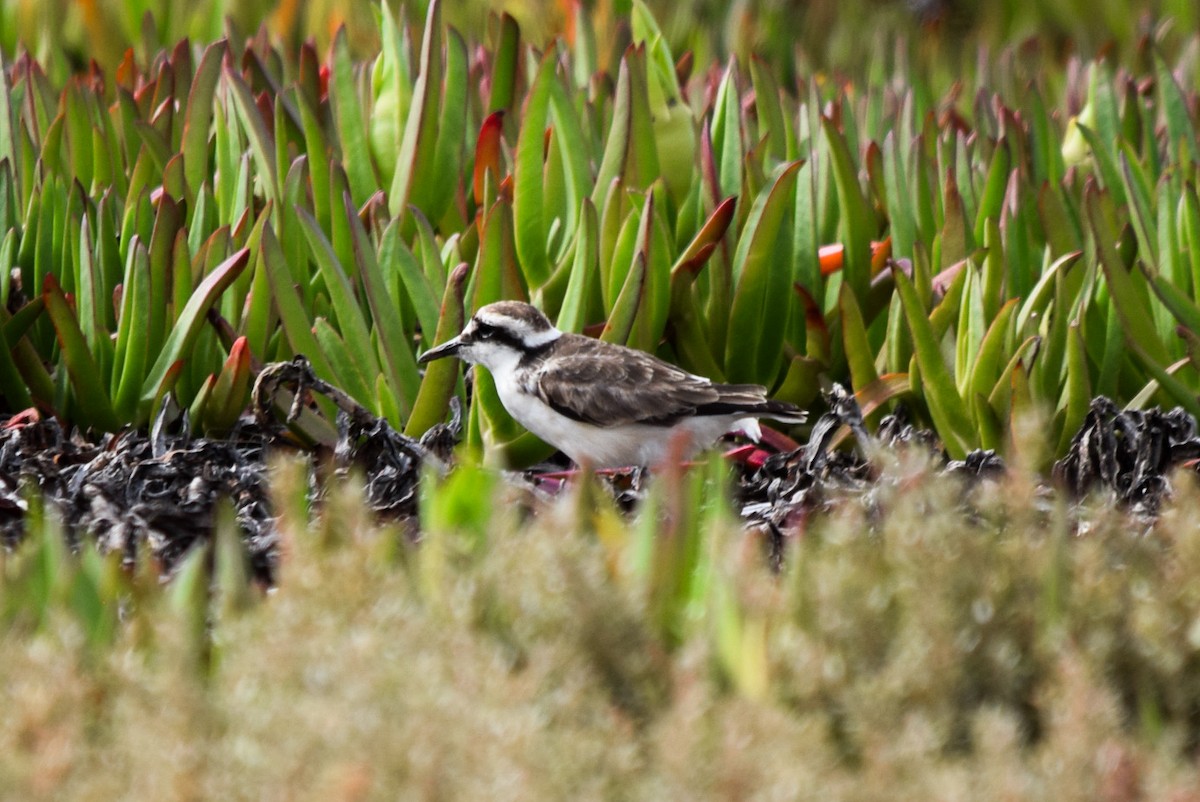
[
  {"x": 179, "y": 218},
  {"x": 354, "y": 199}
]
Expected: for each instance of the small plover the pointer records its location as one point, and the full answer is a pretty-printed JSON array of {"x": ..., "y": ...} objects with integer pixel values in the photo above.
[{"x": 602, "y": 404}]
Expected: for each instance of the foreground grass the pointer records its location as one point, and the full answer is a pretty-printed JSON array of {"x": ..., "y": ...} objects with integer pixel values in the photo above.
[{"x": 913, "y": 651}]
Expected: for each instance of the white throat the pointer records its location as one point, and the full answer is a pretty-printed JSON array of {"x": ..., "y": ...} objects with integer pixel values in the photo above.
[
  {"x": 500, "y": 357},
  {"x": 497, "y": 358}
]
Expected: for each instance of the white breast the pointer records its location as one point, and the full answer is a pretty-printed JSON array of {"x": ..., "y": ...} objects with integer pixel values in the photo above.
[{"x": 612, "y": 447}]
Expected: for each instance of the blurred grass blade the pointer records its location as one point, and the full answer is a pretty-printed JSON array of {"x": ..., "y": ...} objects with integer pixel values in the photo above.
[
  {"x": 231, "y": 569},
  {"x": 190, "y": 604},
  {"x": 1164, "y": 375}
]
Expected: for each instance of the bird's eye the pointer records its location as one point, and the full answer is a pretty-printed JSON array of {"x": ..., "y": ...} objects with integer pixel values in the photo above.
[{"x": 484, "y": 332}]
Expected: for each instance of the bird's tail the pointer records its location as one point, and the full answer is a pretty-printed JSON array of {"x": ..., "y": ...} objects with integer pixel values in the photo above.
[
  {"x": 751, "y": 400},
  {"x": 783, "y": 412}
]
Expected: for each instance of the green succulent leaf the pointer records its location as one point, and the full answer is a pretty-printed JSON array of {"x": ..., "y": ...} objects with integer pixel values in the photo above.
[
  {"x": 437, "y": 386},
  {"x": 96, "y": 405},
  {"x": 187, "y": 326},
  {"x": 762, "y": 281},
  {"x": 946, "y": 406}
]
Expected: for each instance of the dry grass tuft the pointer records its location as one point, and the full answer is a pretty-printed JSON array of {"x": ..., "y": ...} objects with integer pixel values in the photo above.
[{"x": 925, "y": 649}]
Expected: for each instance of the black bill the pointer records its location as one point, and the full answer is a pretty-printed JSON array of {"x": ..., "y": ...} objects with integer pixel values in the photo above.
[{"x": 448, "y": 348}]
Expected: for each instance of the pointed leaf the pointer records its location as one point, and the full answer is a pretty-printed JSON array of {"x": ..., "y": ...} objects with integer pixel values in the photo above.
[
  {"x": 760, "y": 269},
  {"x": 530, "y": 225},
  {"x": 187, "y": 325},
  {"x": 351, "y": 122},
  {"x": 90, "y": 391},
  {"x": 437, "y": 386},
  {"x": 199, "y": 114},
  {"x": 950, "y": 414}
]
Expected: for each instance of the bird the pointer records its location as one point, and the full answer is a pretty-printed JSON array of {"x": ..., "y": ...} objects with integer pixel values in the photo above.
[{"x": 602, "y": 404}]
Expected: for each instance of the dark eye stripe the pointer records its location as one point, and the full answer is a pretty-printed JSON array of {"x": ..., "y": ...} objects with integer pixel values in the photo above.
[
  {"x": 505, "y": 337},
  {"x": 486, "y": 332}
]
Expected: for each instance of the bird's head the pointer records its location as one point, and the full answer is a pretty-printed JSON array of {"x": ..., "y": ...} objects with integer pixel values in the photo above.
[{"x": 498, "y": 335}]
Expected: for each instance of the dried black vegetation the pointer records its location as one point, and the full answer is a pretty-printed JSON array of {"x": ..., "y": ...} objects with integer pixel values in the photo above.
[
  {"x": 1129, "y": 453},
  {"x": 790, "y": 487},
  {"x": 134, "y": 491}
]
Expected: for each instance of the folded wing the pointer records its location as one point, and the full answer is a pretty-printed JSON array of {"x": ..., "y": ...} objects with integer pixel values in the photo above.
[{"x": 586, "y": 383}]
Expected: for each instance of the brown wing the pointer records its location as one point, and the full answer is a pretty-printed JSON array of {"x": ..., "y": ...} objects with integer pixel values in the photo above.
[{"x": 606, "y": 385}]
